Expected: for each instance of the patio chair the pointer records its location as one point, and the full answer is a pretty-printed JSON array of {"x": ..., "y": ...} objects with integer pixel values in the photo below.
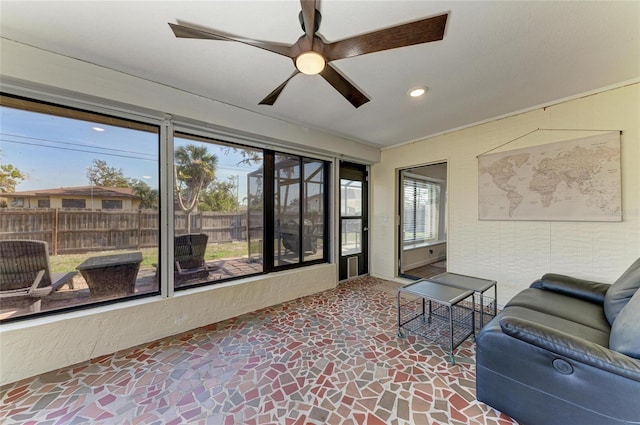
[
  {"x": 188, "y": 255},
  {"x": 289, "y": 234},
  {"x": 25, "y": 273}
]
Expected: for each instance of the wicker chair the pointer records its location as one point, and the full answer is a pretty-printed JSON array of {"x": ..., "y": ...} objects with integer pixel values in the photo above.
[
  {"x": 25, "y": 275},
  {"x": 188, "y": 253}
]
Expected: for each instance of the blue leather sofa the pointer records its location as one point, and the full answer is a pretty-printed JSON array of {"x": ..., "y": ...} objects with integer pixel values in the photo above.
[{"x": 565, "y": 351}]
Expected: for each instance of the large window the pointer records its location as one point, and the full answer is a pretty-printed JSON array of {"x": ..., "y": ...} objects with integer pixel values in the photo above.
[
  {"x": 421, "y": 210},
  {"x": 221, "y": 206},
  {"x": 218, "y": 209},
  {"x": 287, "y": 191},
  {"x": 111, "y": 204},
  {"x": 299, "y": 209},
  {"x": 74, "y": 253},
  {"x": 74, "y": 203},
  {"x": 314, "y": 211},
  {"x": 88, "y": 186}
]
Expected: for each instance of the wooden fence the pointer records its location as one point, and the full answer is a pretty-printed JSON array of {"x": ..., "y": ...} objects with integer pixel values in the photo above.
[{"x": 72, "y": 231}]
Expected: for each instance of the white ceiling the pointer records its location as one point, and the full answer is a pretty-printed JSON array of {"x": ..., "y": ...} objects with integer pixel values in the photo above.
[{"x": 496, "y": 57}]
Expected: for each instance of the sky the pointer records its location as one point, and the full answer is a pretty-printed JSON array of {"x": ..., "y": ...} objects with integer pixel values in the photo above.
[{"x": 55, "y": 152}]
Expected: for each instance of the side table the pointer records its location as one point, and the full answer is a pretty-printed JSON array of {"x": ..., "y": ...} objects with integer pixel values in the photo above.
[
  {"x": 113, "y": 275},
  {"x": 445, "y": 321},
  {"x": 486, "y": 306}
]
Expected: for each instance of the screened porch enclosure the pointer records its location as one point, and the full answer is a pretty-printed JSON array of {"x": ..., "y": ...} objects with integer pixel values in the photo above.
[{"x": 299, "y": 210}]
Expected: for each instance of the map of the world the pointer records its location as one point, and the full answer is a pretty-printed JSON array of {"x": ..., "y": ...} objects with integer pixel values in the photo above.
[{"x": 574, "y": 180}]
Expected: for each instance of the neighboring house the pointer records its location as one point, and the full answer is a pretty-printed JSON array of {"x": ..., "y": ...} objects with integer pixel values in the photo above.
[
  {"x": 83, "y": 197},
  {"x": 314, "y": 203}
]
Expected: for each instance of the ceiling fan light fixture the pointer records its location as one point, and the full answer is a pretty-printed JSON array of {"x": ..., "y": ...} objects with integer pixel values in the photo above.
[
  {"x": 312, "y": 55},
  {"x": 417, "y": 91},
  {"x": 310, "y": 63}
]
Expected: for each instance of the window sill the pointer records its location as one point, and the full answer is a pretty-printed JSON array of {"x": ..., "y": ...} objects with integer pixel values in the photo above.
[{"x": 411, "y": 247}]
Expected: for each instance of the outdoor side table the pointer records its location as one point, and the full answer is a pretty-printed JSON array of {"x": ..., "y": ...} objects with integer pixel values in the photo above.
[
  {"x": 485, "y": 306},
  {"x": 436, "y": 312},
  {"x": 111, "y": 274}
]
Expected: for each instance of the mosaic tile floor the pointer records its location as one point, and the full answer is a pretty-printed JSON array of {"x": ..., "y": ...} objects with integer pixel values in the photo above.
[{"x": 331, "y": 358}]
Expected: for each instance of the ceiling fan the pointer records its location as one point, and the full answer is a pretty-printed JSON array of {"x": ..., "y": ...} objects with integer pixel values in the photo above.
[{"x": 312, "y": 55}]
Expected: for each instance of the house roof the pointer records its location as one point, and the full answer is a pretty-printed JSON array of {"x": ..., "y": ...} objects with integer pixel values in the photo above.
[{"x": 97, "y": 191}]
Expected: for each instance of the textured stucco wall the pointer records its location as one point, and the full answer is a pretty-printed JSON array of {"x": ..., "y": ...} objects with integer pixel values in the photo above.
[{"x": 47, "y": 343}]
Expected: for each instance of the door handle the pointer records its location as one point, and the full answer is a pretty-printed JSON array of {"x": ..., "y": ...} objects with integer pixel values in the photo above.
[{"x": 365, "y": 229}]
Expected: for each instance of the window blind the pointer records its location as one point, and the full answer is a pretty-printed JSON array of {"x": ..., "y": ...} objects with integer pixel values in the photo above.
[{"x": 421, "y": 202}]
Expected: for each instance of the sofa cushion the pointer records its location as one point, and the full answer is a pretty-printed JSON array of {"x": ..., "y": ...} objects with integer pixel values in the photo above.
[
  {"x": 621, "y": 291},
  {"x": 597, "y": 336},
  {"x": 587, "y": 290},
  {"x": 625, "y": 332},
  {"x": 569, "y": 308}
]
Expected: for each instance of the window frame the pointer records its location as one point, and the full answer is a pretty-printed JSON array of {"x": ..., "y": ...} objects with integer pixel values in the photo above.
[
  {"x": 74, "y": 201},
  {"x": 199, "y": 136},
  {"x": 92, "y": 113},
  {"x": 431, "y": 185},
  {"x": 166, "y": 127},
  {"x": 270, "y": 176},
  {"x": 17, "y": 202},
  {"x": 268, "y": 213},
  {"x": 110, "y": 204}
]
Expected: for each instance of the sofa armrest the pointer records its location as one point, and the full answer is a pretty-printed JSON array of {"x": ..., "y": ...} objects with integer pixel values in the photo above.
[
  {"x": 571, "y": 347},
  {"x": 574, "y": 287}
]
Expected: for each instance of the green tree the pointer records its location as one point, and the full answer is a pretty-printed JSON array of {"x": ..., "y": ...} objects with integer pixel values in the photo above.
[
  {"x": 10, "y": 176},
  {"x": 148, "y": 196},
  {"x": 220, "y": 196},
  {"x": 195, "y": 169},
  {"x": 249, "y": 157},
  {"x": 100, "y": 174}
]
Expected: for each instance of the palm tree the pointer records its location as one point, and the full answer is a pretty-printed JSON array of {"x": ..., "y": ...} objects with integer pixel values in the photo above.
[{"x": 194, "y": 169}]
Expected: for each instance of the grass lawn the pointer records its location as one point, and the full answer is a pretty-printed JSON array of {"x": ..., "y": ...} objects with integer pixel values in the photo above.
[{"x": 68, "y": 262}]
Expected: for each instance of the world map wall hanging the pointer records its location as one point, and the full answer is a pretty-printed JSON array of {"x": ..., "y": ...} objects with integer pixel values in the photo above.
[{"x": 572, "y": 180}]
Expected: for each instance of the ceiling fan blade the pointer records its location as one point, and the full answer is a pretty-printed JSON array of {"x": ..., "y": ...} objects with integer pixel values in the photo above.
[
  {"x": 182, "y": 31},
  {"x": 422, "y": 31},
  {"x": 346, "y": 89},
  {"x": 271, "y": 97},
  {"x": 309, "y": 17}
]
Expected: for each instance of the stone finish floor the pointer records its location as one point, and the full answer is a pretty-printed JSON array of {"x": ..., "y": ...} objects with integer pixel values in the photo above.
[{"x": 330, "y": 358}]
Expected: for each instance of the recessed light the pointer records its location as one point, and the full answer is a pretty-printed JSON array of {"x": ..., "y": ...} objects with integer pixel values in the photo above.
[
  {"x": 97, "y": 128},
  {"x": 417, "y": 91}
]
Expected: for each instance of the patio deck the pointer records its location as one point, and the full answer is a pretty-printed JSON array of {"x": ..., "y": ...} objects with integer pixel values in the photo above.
[{"x": 145, "y": 282}]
